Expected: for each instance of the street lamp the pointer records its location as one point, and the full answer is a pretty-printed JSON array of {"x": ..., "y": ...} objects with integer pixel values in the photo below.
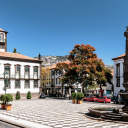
[{"x": 5, "y": 81}]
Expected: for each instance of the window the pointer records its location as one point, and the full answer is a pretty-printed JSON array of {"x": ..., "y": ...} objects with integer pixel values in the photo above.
[
  {"x": 1, "y": 37},
  {"x": 27, "y": 84},
  {"x": 35, "y": 73},
  {"x": 56, "y": 80},
  {"x": 118, "y": 70},
  {"x": 17, "y": 84},
  {"x": 7, "y": 71},
  {"x": 26, "y": 73},
  {"x": 118, "y": 82},
  {"x": 7, "y": 83},
  {"x": 17, "y": 72},
  {"x": 35, "y": 84}
]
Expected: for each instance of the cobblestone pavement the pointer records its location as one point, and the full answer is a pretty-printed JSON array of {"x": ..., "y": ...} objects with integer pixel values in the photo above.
[{"x": 56, "y": 113}]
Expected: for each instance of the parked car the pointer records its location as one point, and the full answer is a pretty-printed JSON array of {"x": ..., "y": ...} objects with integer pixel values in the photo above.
[
  {"x": 90, "y": 98},
  {"x": 104, "y": 99},
  {"x": 42, "y": 95},
  {"x": 119, "y": 100}
]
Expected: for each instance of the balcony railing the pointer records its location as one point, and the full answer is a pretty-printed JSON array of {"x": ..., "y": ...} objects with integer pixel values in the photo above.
[{"x": 19, "y": 77}]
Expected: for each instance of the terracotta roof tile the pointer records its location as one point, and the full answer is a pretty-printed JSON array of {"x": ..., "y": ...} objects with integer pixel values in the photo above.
[
  {"x": 15, "y": 55},
  {"x": 119, "y": 57},
  {"x": 54, "y": 66},
  {"x": 1, "y": 29}
]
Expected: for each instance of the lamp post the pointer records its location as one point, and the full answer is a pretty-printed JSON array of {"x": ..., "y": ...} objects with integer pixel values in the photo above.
[{"x": 5, "y": 81}]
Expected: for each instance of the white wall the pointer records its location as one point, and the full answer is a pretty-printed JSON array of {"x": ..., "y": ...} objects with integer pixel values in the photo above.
[
  {"x": 22, "y": 82},
  {"x": 117, "y": 89}
]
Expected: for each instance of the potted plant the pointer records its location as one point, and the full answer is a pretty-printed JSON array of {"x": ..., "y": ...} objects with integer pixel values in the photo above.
[
  {"x": 8, "y": 98},
  {"x": 17, "y": 95},
  {"x": 2, "y": 98},
  {"x": 74, "y": 97},
  {"x": 29, "y": 95},
  {"x": 80, "y": 96}
]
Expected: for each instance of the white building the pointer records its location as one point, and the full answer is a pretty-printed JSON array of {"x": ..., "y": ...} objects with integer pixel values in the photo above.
[
  {"x": 22, "y": 73},
  {"x": 118, "y": 74},
  {"x": 55, "y": 85}
]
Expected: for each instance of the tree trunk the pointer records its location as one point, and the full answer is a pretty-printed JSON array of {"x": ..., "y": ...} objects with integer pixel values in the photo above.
[
  {"x": 100, "y": 87},
  {"x": 62, "y": 91},
  {"x": 83, "y": 88}
]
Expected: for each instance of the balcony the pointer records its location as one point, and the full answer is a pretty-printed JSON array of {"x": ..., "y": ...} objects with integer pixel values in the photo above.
[{"x": 22, "y": 77}]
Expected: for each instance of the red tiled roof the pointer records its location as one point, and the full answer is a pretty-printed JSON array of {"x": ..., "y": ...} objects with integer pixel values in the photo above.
[
  {"x": 54, "y": 66},
  {"x": 119, "y": 57},
  {"x": 1, "y": 29},
  {"x": 15, "y": 55}
]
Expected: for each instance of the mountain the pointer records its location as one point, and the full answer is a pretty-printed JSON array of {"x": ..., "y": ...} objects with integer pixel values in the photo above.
[{"x": 48, "y": 61}]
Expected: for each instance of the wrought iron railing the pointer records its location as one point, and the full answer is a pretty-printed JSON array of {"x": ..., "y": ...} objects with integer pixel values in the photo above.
[{"x": 19, "y": 77}]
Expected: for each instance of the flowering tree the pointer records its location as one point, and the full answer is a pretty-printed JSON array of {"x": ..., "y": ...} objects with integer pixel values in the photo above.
[
  {"x": 84, "y": 66},
  {"x": 45, "y": 74}
]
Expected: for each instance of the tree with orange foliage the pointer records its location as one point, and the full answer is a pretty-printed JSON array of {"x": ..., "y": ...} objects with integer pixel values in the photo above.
[
  {"x": 84, "y": 66},
  {"x": 45, "y": 77}
]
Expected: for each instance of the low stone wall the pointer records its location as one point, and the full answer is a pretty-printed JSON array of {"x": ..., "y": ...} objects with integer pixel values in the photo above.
[{"x": 96, "y": 112}]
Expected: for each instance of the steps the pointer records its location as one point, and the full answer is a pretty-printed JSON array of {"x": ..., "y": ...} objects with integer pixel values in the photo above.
[
  {"x": 125, "y": 109},
  {"x": 112, "y": 116}
]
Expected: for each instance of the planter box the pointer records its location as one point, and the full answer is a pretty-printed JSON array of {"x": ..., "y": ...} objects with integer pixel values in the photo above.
[
  {"x": 79, "y": 101},
  {"x": 2, "y": 106},
  {"x": 74, "y": 101},
  {"x": 8, "y": 106}
]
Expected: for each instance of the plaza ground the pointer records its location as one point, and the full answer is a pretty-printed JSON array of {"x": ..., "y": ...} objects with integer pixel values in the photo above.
[{"x": 54, "y": 113}]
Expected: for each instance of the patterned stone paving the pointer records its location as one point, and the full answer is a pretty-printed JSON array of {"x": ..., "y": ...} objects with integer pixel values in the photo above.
[{"x": 58, "y": 113}]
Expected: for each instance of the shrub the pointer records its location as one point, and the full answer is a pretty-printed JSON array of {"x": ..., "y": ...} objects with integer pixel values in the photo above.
[
  {"x": 74, "y": 95},
  {"x": 8, "y": 98},
  {"x": 80, "y": 95},
  {"x": 29, "y": 95},
  {"x": 17, "y": 95},
  {"x": 3, "y": 98}
]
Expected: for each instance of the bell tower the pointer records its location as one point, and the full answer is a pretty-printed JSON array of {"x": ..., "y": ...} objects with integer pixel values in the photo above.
[{"x": 3, "y": 40}]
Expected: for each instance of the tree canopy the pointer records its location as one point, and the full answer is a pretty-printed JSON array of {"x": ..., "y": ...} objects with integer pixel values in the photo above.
[
  {"x": 45, "y": 73},
  {"x": 84, "y": 67}
]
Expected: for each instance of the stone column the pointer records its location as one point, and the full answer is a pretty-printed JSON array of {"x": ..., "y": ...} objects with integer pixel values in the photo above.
[{"x": 125, "y": 84}]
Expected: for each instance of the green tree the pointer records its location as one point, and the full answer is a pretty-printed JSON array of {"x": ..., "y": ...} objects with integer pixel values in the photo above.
[
  {"x": 29, "y": 95},
  {"x": 17, "y": 95},
  {"x": 84, "y": 66},
  {"x": 45, "y": 77}
]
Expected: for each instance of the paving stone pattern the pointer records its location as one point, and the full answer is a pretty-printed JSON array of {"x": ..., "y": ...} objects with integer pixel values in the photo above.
[{"x": 58, "y": 113}]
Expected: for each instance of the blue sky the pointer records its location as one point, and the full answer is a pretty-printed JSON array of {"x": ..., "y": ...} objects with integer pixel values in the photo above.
[{"x": 53, "y": 27}]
